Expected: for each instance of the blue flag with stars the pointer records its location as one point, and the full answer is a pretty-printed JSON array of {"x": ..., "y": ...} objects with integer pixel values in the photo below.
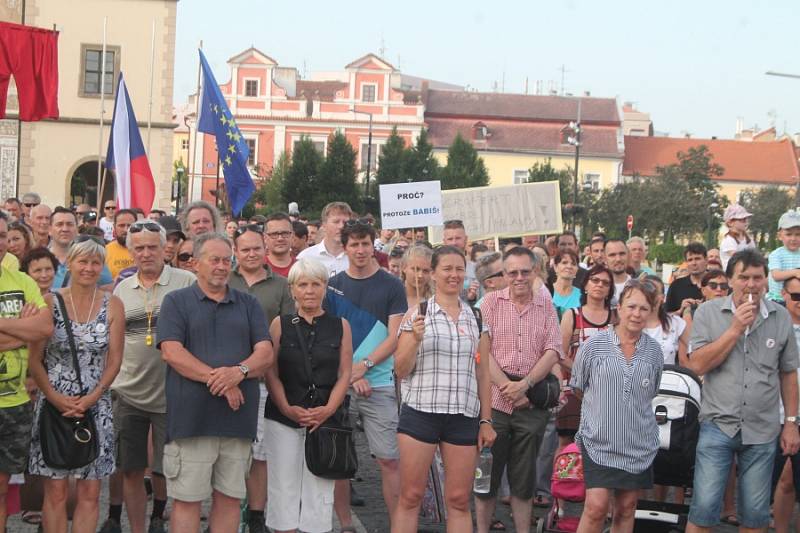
[{"x": 215, "y": 118}]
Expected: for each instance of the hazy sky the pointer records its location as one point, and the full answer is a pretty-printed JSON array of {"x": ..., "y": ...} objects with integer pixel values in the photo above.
[{"x": 694, "y": 65}]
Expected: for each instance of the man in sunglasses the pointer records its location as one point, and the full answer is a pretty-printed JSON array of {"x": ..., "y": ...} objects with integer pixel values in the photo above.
[
  {"x": 140, "y": 402},
  {"x": 118, "y": 257},
  {"x": 330, "y": 252},
  {"x": 490, "y": 274},
  {"x": 687, "y": 291},
  {"x": 29, "y": 201},
  {"x": 107, "y": 222},
  {"x": 64, "y": 230}
]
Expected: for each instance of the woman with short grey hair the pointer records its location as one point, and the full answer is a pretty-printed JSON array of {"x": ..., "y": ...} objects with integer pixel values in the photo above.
[
  {"x": 96, "y": 321},
  {"x": 298, "y": 402}
]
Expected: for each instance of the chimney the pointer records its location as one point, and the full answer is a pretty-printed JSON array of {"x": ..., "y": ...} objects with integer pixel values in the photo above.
[{"x": 739, "y": 125}]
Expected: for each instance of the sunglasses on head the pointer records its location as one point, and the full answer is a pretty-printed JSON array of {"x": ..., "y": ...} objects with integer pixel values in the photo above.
[
  {"x": 84, "y": 238},
  {"x": 358, "y": 222},
  {"x": 149, "y": 226},
  {"x": 185, "y": 256},
  {"x": 257, "y": 228},
  {"x": 714, "y": 285}
]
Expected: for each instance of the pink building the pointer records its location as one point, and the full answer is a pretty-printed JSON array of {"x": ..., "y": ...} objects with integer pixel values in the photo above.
[{"x": 274, "y": 108}]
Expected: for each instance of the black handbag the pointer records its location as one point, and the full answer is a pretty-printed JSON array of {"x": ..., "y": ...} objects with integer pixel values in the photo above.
[
  {"x": 330, "y": 449},
  {"x": 67, "y": 443},
  {"x": 544, "y": 394}
]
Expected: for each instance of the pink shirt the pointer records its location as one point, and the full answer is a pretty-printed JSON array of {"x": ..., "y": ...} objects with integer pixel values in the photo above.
[{"x": 519, "y": 338}]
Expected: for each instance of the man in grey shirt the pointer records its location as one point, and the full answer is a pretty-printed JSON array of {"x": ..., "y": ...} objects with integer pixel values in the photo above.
[{"x": 745, "y": 347}]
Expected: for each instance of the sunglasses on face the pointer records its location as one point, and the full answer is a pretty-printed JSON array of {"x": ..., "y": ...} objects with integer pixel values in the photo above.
[
  {"x": 277, "y": 234},
  {"x": 714, "y": 285},
  {"x": 600, "y": 281},
  {"x": 27, "y": 204},
  {"x": 185, "y": 256},
  {"x": 112, "y": 207},
  {"x": 498, "y": 274},
  {"x": 794, "y": 296},
  {"x": 149, "y": 226}
]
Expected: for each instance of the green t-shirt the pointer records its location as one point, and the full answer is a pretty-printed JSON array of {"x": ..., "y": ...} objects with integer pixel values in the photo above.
[{"x": 16, "y": 289}]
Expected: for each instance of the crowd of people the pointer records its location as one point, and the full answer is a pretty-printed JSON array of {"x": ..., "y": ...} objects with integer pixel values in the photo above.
[{"x": 206, "y": 352}]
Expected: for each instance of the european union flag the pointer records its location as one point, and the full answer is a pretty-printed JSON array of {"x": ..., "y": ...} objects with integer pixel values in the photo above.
[{"x": 215, "y": 118}]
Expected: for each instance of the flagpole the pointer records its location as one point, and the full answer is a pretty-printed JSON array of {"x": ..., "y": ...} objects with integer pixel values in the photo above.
[
  {"x": 101, "y": 184},
  {"x": 192, "y": 168},
  {"x": 152, "y": 76}
]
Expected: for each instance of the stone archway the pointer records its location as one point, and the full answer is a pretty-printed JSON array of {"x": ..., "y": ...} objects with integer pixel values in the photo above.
[{"x": 83, "y": 186}]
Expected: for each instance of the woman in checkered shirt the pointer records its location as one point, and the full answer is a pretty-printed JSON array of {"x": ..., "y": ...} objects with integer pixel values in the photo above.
[{"x": 443, "y": 358}]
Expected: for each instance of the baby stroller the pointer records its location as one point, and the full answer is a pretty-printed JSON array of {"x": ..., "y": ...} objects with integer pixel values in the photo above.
[
  {"x": 676, "y": 408},
  {"x": 568, "y": 491}
]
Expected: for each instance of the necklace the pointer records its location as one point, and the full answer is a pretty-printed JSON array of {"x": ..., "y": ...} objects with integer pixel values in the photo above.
[
  {"x": 149, "y": 310},
  {"x": 91, "y": 307}
]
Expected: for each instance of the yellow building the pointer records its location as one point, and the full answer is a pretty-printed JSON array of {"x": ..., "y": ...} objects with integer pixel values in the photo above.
[
  {"x": 512, "y": 132},
  {"x": 59, "y": 157}
]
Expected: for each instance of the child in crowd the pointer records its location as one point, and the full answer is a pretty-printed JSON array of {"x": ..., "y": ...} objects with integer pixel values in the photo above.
[
  {"x": 784, "y": 263},
  {"x": 736, "y": 219}
]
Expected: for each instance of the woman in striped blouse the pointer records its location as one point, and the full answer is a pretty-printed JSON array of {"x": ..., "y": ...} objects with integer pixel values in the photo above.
[
  {"x": 442, "y": 356},
  {"x": 618, "y": 372}
]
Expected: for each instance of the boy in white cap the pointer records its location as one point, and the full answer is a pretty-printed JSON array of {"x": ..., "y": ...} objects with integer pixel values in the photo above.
[
  {"x": 736, "y": 219},
  {"x": 784, "y": 263}
]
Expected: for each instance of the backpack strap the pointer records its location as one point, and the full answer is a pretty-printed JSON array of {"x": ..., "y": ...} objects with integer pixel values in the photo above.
[{"x": 478, "y": 319}]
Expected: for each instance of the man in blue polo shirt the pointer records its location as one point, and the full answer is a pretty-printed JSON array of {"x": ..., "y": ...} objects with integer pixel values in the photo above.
[
  {"x": 373, "y": 301},
  {"x": 216, "y": 342}
]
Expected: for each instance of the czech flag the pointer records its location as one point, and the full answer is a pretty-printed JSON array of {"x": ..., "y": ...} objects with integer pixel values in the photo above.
[{"x": 126, "y": 156}]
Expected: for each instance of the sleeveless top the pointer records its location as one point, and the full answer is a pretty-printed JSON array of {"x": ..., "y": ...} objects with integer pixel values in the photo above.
[{"x": 324, "y": 339}]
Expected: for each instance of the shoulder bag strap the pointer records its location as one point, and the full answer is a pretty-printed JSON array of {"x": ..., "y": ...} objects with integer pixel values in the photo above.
[
  {"x": 306, "y": 350},
  {"x": 71, "y": 339}
]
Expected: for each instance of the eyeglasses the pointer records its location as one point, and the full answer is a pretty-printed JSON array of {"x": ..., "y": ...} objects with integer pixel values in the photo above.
[
  {"x": 84, "y": 238},
  {"x": 112, "y": 207},
  {"x": 795, "y": 296},
  {"x": 398, "y": 251},
  {"x": 277, "y": 234},
  {"x": 721, "y": 285},
  {"x": 498, "y": 274},
  {"x": 26, "y": 204},
  {"x": 258, "y": 228},
  {"x": 185, "y": 256},
  {"x": 358, "y": 222},
  {"x": 600, "y": 281},
  {"x": 149, "y": 226},
  {"x": 525, "y": 272}
]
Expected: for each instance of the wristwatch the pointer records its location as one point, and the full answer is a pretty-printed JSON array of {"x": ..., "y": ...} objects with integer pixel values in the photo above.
[
  {"x": 369, "y": 363},
  {"x": 244, "y": 369},
  {"x": 791, "y": 419}
]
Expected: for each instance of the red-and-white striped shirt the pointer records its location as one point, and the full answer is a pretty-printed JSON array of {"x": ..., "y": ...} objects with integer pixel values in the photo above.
[{"x": 519, "y": 338}]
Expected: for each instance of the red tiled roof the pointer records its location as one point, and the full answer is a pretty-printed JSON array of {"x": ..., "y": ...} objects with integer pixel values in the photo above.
[
  {"x": 520, "y": 107},
  {"x": 531, "y": 137},
  {"x": 327, "y": 89},
  {"x": 770, "y": 162}
]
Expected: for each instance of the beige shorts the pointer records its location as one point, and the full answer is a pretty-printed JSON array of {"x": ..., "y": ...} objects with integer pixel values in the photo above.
[{"x": 195, "y": 466}]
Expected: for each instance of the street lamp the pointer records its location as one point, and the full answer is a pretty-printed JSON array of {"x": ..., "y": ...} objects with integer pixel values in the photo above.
[
  {"x": 709, "y": 232},
  {"x": 176, "y": 189},
  {"x": 369, "y": 149},
  {"x": 575, "y": 140}
]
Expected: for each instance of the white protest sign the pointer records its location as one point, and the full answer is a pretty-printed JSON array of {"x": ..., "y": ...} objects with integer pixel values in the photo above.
[
  {"x": 411, "y": 205},
  {"x": 511, "y": 211}
]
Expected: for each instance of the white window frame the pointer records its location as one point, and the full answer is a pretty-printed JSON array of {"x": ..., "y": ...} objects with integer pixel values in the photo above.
[
  {"x": 252, "y": 137},
  {"x": 595, "y": 178},
  {"x": 514, "y": 176},
  {"x": 244, "y": 87},
  {"x": 377, "y": 148},
  {"x": 314, "y": 138},
  {"x": 375, "y": 88}
]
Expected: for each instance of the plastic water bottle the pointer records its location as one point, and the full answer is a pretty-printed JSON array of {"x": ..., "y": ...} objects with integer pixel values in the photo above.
[{"x": 483, "y": 472}]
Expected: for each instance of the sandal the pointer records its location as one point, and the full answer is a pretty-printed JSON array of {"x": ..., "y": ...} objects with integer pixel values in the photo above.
[
  {"x": 497, "y": 525},
  {"x": 730, "y": 519},
  {"x": 542, "y": 501},
  {"x": 32, "y": 517}
]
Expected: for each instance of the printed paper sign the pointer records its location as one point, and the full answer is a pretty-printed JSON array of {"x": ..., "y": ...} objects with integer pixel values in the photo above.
[{"x": 411, "y": 205}]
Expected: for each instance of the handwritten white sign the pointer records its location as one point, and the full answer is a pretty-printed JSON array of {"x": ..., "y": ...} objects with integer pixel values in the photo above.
[
  {"x": 411, "y": 205},
  {"x": 512, "y": 211}
]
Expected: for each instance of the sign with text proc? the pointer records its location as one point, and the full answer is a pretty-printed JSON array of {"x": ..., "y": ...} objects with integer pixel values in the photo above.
[{"x": 411, "y": 205}]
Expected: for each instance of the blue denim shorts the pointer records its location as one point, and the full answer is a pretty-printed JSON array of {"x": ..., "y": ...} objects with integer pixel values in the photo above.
[{"x": 715, "y": 455}]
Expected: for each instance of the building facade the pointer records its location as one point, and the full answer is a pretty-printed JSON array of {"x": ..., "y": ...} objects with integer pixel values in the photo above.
[
  {"x": 512, "y": 132},
  {"x": 274, "y": 108},
  {"x": 59, "y": 158}
]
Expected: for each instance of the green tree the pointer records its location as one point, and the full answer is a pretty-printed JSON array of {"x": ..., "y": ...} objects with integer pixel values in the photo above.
[
  {"x": 767, "y": 205},
  {"x": 392, "y": 162},
  {"x": 268, "y": 197},
  {"x": 184, "y": 177},
  {"x": 300, "y": 182},
  {"x": 540, "y": 172},
  {"x": 337, "y": 176},
  {"x": 420, "y": 164},
  {"x": 464, "y": 168}
]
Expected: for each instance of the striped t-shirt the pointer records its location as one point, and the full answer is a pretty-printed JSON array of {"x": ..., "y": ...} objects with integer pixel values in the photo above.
[
  {"x": 618, "y": 428},
  {"x": 781, "y": 259}
]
